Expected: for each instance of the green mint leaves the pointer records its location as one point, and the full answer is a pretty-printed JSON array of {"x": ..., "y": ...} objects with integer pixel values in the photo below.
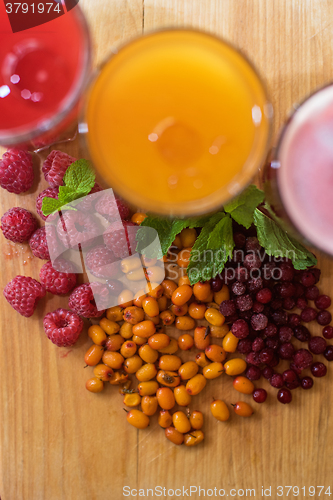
[
  {"x": 276, "y": 242},
  {"x": 242, "y": 207},
  {"x": 79, "y": 180}
]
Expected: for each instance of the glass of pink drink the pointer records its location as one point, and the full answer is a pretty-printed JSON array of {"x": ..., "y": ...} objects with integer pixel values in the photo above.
[
  {"x": 43, "y": 72},
  {"x": 299, "y": 179}
]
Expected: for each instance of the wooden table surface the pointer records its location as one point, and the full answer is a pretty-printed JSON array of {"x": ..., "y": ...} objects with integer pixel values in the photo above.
[{"x": 60, "y": 442}]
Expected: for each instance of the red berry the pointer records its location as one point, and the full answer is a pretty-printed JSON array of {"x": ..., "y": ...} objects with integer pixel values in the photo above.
[
  {"x": 77, "y": 229},
  {"x": 227, "y": 308},
  {"x": 303, "y": 358},
  {"x": 87, "y": 203},
  {"x": 50, "y": 193},
  {"x": 55, "y": 166},
  {"x": 317, "y": 345},
  {"x": 318, "y": 369},
  {"x": 259, "y": 395},
  {"x": 276, "y": 380},
  {"x": 119, "y": 237},
  {"x": 328, "y": 332},
  {"x": 44, "y": 243},
  {"x": 307, "y": 382},
  {"x": 83, "y": 299},
  {"x": 253, "y": 372},
  {"x": 328, "y": 353},
  {"x": 112, "y": 207},
  {"x": 308, "y": 314},
  {"x": 16, "y": 172},
  {"x": 102, "y": 263},
  {"x": 23, "y": 294},
  {"x": 244, "y": 303},
  {"x": 259, "y": 321},
  {"x": 63, "y": 327},
  {"x": 324, "y": 318},
  {"x": 323, "y": 302},
  {"x": 59, "y": 281},
  {"x": 18, "y": 224},
  {"x": 264, "y": 296},
  {"x": 284, "y": 396},
  {"x": 240, "y": 329}
]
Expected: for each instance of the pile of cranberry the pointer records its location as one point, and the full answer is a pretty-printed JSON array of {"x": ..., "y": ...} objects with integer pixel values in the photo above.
[{"x": 265, "y": 292}]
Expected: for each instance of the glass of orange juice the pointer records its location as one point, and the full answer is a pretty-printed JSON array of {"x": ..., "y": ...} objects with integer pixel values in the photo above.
[{"x": 177, "y": 122}]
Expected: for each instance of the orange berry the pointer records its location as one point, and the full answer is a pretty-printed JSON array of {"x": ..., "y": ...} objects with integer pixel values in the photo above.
[
  {"x": 168, "y": 378},
  {"x": 125, "y": 299},
  {"x": 179, "y": 310},
  {"x": 197, "y": 311},
  {"x": 188, "y": 237},
  {"x": 220, "y": 410},
  {"x": 97, "y": 335},
  {"x": 235, "y": 366},
  {"x": 114, "y": 342},
  {"x": 110, "y": 327},
  {"x": 167, "y": 317},
  {"x": 188, "y": 370},
  {"x": 174, "y": 436},
  {"x": 94, "y": 385},
  {"x": 132, "y": 364},
  {"x": 133, "y": 314},
  {"x": 185, "y": 342},
  {"x": 213, "y": 370},
  {"x": 138, "y": 218},
  {"x": 183, "y": 258},
  {"x": 182, "y": 397},
  {"x": 169, "y": 362},
  {"x": 216, "y": 353},
  {"x": 242, "y": 409},
  {"x": 128, "y": 349},
  {"x": 138, "y": 419},
  {"x": 113, "y": 359},
  {"x": 169, "y": 287},
  {"x": 201, "y": 337},
  {"x": 144, "y": 329},
  {"x": 165, "y": 398},
  {"x": 193, "y": 438},
  {"x": 159, "y": 341},
  {"x": 149, "y": 405},
  {"x": 181, "y": 295},
  {"x": 93, "y": 355},
  {"x": 201, "y": 290},
  {"x": 243, "y": 385},
  {"x": 196, "y": 384},
  {"x": 103, "y": 372},
  {"x": 164, "y": 419},
  {"x": 196, "y": 419},
  {"x": 115, "y": 313},
  {"x": 181, "y": 422},
  {"x": 150, "y": 306},
  {"x": 185, "y": 323},
  {"x": 148, "y": 354}
]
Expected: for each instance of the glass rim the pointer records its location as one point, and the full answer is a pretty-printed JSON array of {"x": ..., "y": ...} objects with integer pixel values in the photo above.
[
  {"x": 27, "y": 133},
  {"x": 212, "y": 201}
]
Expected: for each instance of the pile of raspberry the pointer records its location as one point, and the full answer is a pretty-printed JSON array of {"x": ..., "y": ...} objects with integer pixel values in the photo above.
[
  {"x": 270, "y": 305},
  {"x": 74, "y": 229}
]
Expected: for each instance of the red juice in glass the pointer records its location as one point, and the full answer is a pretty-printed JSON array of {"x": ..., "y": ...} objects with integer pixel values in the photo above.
[
  {"x": 302, "y": 171},
  {"x": 43, "y": 71}
]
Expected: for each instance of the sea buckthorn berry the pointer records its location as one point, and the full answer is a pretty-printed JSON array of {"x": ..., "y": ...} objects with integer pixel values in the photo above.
[
  {"x": 218, "y": 332},
  {"x": 109, "y": 326},
  {"x": 164, "y": 419},
  {"x": 209, "y": 299},
  {"x": 118, "y": 378},
  {"x": 169, "y": 362},
  {"x": 182, "y": 397},
  {"x": 188, "y": 370},
  {"x": 126, "y": 388},
  {"x": 144, "y": 329},
  {"x": 184, "y": 280},
  {"x": 97, "y": 334},
  {"x": 133, "y": 314},
  {"x": 103, "y": 372},
  {"x": 138, "y": 218},
  {"x": 150, "y": 306},
  {"x": 94, "y": 385},
  {"x": 148, "y": 354},
  {"x": 138, "y": 298},
  {"x": 185, "y": 342},
  {"x": 213, "y": 370},
  {"x": 185, "y": 323},
  {"x": 222, "y": 295},
  {"x": 196, "y": 419},
  {"x": 139, "y": 340},
  {"x": 169, "y": 287},
  {"x": 168, "y": 378},
  {"x": 188, "y": 237},
  {"x": 230, "y": 342},
  {"x": 136, "y": 275},
  {"x": 177, "y": 242},
  {"x": 154, "y": 319},
  {"x": 201, "y": 359},
  {"x": 235, "y": 366},
  {"x": 162, "y": 303},
  {"x": 146, "y": 372},
  {"x": 243, "y": 409},
  {"x": 130, "y": 263},
  {"x": 159, "y": 341},
  {"x": 193, "y": 438},
  {"x": 138, "y": 419},
  {"x": 183, "y": 258},
  {"x": 154, "y": 290},
  {"x": 125, "y": 299},
  {"x": 216, "y": 353},
  {"x": 179, "y": 310},
  {"x": 114, "y": 343},
  {"x": 126, "y": 330},
  {"x": 201, "y": 291},
  {"x": 167, "y": 317},
  {"x": 181, "y": 422},
  {"x": 181, "y": 295},
  {"x": 149, "y": 405},
  {"x": 220, "y": 410},
  {"x": 113, "y": 359},
  {"x": 197, "y": 311},
  {"x": 132, "y": 364},
  {"x": 148, "y": 388},
  {"x": 155, "y": 273},
  {"x": 174, "y": 436},
  {"x": 147, "y": 261},
  {"x": 201, "y": 337},
  {"x": 165, "y": 398},
  {"x": 93, "y": 355},
  {"x": 243, "y": 385},
  {"x": 196, "y": 384},
  {"x": 214, "y": 317},
  {"x": 115, "y": 313},
  {"x": 171, "y": 348},
  {"x": 132, "y": 399}
]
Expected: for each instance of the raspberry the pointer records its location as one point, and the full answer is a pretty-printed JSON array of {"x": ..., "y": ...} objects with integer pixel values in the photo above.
[
  {"x": 23, "y": 294},
  {"x": 120, "y": 238},
  {"x": 55, "y": 166},
  {"x": 88, "y": 202},
  {"x": 101, "y": 262},
  {"x": 77, "y": 229},
  {"x": 58, "y": 282},
  {"x": 82, "y": 301},
  {"x": 112, "y": 207},
  {"x": 18, "y": 224},
  {"x": 44, "y": 242},
  {"x": 63, "y": 327},
  {"x": 16, "y": 172},
  {"x": 50, "y": 193}
]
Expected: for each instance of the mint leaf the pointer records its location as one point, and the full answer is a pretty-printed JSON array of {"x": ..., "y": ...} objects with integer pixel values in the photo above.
[
  {"x": 278, "y": 243},
  {"x": 66, "y": 194},
  {"x": 50, "y": 205},
  {"x": 80, "y": 177},
  {"x": 241, "y": 207}
]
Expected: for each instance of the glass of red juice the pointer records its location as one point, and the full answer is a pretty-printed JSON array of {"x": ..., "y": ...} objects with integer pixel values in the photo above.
[
  {"x": 299, "y": 178},
  {"x": 43, "y": 73}
]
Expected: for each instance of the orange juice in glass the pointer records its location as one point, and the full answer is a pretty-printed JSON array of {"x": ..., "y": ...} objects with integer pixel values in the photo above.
[{"x": 177, "y": 122}]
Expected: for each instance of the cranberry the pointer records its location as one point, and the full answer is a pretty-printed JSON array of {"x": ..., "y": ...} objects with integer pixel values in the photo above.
[
  {"x": 328, "y": 353},
  {"x": 227, "y": 307},
  {"x": 273, "y": 343},
  {"x": 240, "y": 329},
  {"x": 257, "y": 307},
  {"x": 244, "y": 302},
  {"x": 267, "y": 372},
  {"x": 115, "y": 287},
  {"x": 259, "y": 395},
  {"x": 287, "y": 271},
  {"x": 289, "y": 303},
  {"x": 268, "y": 270},
  {"x": 254, "y": 284},
  {"x": 280, "y": 317},
  {"x": 285, "y": 333},
  {"x": 308, "y": 314},
  {"x": 276, "y": 304},
  {"x": 258, "y": 344},
  {"x": 302, "y": 333},
  {"x": 247, "y": 315},
  {"x": 284, "y": 396},
  {"x": 316, "y": 273},
  {"x": 294, "y": 320},
  {"x": 253, "y": 373},
  {"x": 301, "y": 303},
  {"x": 270, "y": 330},
  {"x": 317, "y": 345},
  {"x": 307, "y": 382},
  {"x": 303, "y": 358},
  {"x": 299, "y": 290},
  {"x": 252, "y": 261},
  {"x": 292, "y": 385},
  {"x": 328, "y": 332},
  {"x": 323, "y": 302},
  {"x": 266, "y": 355},
  {"x": 295, "y": 368},
  {"x": 286, "y": 350},
  {"x": 241, "y": 274},
  {"x": 285, "y": 290},
  {"x": 216, "y": 284},
  {"x": 275, "y": 361},
  {"x": 318, "y": 369},
  {"x": 238, "y": 288},
  {"x": 312, "y": 293},
  {"x": 252, "y": 244},
  {"x": 264, "y": 296},
  {"x": 231, "y": 319},
  {"x": 307, "y": 278},
  {"x": 289, "y": 376},
  {"x": 276, "y": 380},
  {"x": 253, "y": 358},
  {"x": 244, "y": 346},
  {"x": 259, "y": 321},
  {"x": 324, "y": 318},
  {"x": 239, "y": 239}
]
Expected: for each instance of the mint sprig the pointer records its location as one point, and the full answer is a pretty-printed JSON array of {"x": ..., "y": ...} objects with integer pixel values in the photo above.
[
  {"x": 242, "y": 207},
  {"x": 79, "y": 180}
]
